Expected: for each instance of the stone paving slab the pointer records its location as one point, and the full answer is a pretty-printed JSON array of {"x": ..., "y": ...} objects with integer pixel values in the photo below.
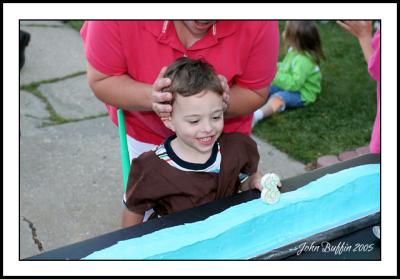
[
  {"x": 327, "y": 160},
  {"x": 347, "y": 155},
  {"x": 363, "y": 150},
  {"x": 30, "y": 105},
  {"x": 52, "y": 53},
  {"x": 32, "y": 112},
  {"x": 28, "y": 247},
  {"x": 28, "y": 125},
  {"x": 70, "y": 182},
  {"x": 72, "y": 98},
  {"x": 273, "y": 160},
  {"x": 50, "y": 23}
]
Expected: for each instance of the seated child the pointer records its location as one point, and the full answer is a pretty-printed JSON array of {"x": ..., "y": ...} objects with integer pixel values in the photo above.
[
  {"x": 297, "y": 82},
  {"x": 198, "y": 164}
]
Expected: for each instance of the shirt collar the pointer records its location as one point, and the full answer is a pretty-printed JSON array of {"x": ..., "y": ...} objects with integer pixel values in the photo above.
[
  {"x": 220, "y": 29},
  {"x": 188, "y": 165}
]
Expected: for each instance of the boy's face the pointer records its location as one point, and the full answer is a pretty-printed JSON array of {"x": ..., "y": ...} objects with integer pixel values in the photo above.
[{"x": 197, "y": 120}]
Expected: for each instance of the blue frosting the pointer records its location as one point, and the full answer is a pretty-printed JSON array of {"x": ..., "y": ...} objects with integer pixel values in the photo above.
[{"x": 252, "y": 228}]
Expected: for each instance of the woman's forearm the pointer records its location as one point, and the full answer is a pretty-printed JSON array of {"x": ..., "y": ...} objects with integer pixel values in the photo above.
[
  {"x": 245, "y": 101},
  {"x": 123, "y": 92},
  {"x": 362, "y": 30},
  {"x": 119, "y": 91},
  {"x": 365, "y": 43}
]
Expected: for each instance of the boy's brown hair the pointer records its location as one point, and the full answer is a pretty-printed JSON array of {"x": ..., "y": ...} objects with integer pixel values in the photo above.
[
  {"x": 190, "y": 77},
  {"x": 304, "y": 37}
]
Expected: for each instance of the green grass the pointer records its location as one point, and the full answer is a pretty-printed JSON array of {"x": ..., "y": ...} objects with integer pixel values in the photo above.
[
  {"x": 342, "y": 118},
  {"x": 75, "y": 24}
]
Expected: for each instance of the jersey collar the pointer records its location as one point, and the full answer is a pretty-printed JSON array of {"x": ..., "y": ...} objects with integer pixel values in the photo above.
[{"x": 165, "y": 32}]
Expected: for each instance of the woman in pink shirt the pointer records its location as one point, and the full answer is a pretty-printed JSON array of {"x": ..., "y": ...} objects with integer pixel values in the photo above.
[
  {"x": 371, "y": 48},
  {"x": 127, "y": 60}
]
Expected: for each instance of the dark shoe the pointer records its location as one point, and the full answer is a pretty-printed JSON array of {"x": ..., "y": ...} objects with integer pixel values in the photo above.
[{"x": 24, "y": 38}]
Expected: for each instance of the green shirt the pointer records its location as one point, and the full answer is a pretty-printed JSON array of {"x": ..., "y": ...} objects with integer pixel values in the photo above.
[{"x": 299, "y": 73}]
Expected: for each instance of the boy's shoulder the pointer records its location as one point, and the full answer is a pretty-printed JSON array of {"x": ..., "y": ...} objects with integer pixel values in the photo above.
[
  {"x": 239, "y": 150},
  {"x": 235, "y": 138},
  {"x": 231, "y": 135},
  {"x": 145, "y": 159}
]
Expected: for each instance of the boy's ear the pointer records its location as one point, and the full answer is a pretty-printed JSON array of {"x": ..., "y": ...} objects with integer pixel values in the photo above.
[{"x": 168, "y": 123}]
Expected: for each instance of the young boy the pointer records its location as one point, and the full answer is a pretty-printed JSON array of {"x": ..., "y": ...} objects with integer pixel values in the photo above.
[{"x": 199, "y": 163}]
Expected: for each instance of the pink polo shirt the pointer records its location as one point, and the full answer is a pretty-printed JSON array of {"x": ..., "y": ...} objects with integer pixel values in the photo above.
[
  {"x": 374, "y": 69},
  {"x": 245, "y": 52}
]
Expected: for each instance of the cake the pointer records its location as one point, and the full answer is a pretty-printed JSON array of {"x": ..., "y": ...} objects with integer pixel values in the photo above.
[
  {"x": 270, "y": 193},
  {"x": 253, "y": 228}
]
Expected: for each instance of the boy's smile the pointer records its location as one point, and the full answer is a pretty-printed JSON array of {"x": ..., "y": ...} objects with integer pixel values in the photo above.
[
  {"x": 198, "y": 122},
  {"x": 207, "y": 140}
]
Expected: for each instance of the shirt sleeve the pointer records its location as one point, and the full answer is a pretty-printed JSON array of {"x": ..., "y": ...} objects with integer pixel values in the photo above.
[
  {"x": 103, "y": 47},
  {"x": 293, "y": 78},
  {"x": 251, "y": 155},
  {"x": 261, "y": 64},
  {"x": 141, "y": 194},
  {"x": 374, "y": 62}
]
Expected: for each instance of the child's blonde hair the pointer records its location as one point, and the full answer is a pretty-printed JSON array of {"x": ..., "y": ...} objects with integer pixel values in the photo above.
[{"x": 304, "y": 37}]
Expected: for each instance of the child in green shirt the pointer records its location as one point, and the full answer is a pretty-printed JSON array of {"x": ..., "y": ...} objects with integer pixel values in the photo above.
[{"x": 297, "y": 82}]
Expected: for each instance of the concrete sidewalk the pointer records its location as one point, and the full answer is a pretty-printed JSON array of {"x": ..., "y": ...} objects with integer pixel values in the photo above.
[{"x": 70, "y": 173}]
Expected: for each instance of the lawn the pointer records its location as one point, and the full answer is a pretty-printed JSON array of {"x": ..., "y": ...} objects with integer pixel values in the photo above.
[
  {"x": 75, "y": 24},
  {"x": 343, "y": 116}
]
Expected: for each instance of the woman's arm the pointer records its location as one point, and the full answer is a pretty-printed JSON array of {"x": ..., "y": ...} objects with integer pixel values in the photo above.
[
  {"x": 243, "y": 101},
  {"x": 124, "y": 92},
  {"x": 362, "y": 30}
]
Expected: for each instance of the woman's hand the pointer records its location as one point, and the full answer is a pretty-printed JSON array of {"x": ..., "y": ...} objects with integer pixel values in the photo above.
[
  {"x": 362, "y": 30},
  {"x": 358, "y": 28},
  {"x": 227, "y": 92},
  {"x": 160, "y": 99}
]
